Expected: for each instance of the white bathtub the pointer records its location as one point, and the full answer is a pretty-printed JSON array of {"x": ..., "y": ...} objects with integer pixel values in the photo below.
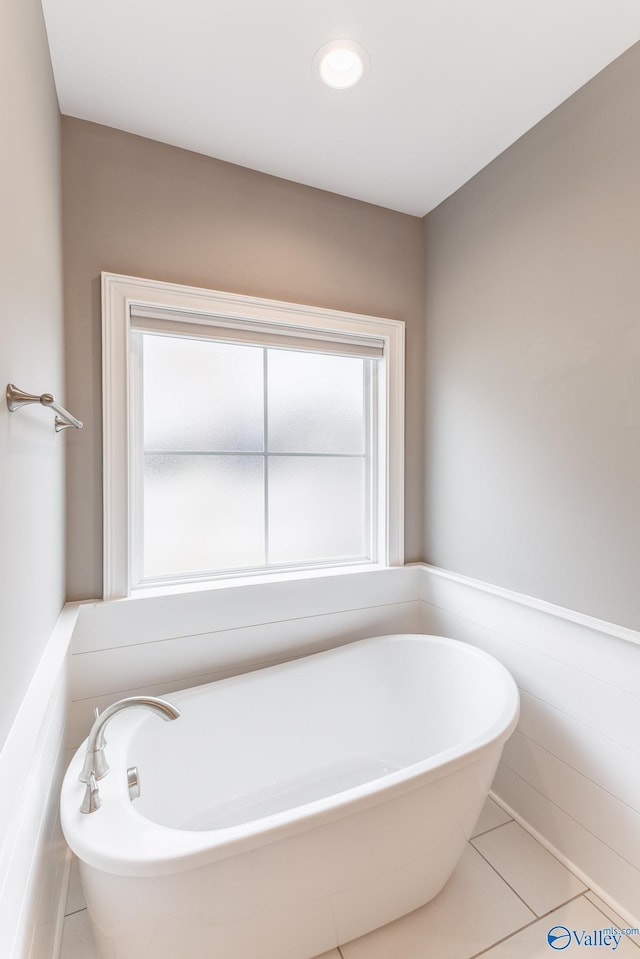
[{"x": 291, "y": 809}]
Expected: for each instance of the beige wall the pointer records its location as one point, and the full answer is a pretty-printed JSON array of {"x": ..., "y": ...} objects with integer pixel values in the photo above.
[
  {"x": 533, "y": 360},
  {"x": 533, "y": 394},
  {"x": 142, "y": 208},
  {"x": 31, "y": 351}
]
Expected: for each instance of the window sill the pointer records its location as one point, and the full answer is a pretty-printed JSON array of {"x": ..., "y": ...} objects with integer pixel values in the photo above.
[{"x": 261, "y": 579}]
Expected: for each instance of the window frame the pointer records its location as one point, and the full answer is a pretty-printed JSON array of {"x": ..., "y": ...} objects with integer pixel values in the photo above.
[{"x": 122, "y": 293}]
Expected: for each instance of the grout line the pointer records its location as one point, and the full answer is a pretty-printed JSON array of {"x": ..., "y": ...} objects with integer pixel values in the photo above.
[
  {"x": 505, "y": 881},
  {"x": 578, "y": 895},
  {"x": 340, "y": 952},
  {"x": 522, "y": 928},
  {"x": 491, "y": 829},
  {"x": 75, "y": 912},
  {"x": 505, "y": 938},
  {"x": 564, "y": 866}
]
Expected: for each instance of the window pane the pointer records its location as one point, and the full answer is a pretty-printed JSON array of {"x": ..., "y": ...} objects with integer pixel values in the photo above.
[
  {"x": 315, "y": 508},
  {"x": 202, "y": 513},
  {"x": 201, "y": 395},
  {"x": 315, "y": 402}
]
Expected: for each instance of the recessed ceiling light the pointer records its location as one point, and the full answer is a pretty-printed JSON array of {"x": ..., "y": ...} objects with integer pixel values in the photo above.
[{"x": 341, "y": 63}]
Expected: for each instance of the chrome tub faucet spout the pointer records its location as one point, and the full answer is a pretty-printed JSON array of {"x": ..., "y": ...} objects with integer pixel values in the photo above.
[{"x": 95, "y": 763}]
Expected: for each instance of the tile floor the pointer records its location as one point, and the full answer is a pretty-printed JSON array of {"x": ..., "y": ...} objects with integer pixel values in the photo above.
[{"x": 505, "y": 895}]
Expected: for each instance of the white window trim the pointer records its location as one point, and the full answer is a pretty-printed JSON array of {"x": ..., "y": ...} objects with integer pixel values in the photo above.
[{"x": 120, "y": 293}]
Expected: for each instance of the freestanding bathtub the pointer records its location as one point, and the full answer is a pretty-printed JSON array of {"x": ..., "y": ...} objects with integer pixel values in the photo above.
[{"x": 294, "y": 808}]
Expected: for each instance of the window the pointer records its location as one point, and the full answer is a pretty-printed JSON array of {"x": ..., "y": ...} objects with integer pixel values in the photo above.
[{"x": 245, "y": 436}]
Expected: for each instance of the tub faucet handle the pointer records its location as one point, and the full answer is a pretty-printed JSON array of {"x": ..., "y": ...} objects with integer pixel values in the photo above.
[
  {"x": 96, "y": 715},
  {"x": 91, "y": 800}
]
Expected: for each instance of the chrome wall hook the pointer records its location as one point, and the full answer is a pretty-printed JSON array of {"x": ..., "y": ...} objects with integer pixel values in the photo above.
[{"x": 17, "y": 398}]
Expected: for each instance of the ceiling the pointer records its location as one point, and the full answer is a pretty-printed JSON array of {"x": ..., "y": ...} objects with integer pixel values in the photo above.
[{"x": 452, "y": 82}]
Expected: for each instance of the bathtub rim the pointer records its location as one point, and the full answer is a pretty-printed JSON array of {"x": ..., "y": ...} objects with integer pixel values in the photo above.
[{"x": 125, "y": 842}]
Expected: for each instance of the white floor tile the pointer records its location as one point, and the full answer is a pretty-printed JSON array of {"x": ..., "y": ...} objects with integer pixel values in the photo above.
[
  {"x": 492, "y": 815},
  {"x": 334, "y": 954},
  {"x": 579, "y": 916},
  {"x": 77, "y": 937},
  {"x": 536, "y": 875},
  {"x": 609, "y": 912},
  {"x": 474, "y": 910},
  {"x": 75, "y": 894}
]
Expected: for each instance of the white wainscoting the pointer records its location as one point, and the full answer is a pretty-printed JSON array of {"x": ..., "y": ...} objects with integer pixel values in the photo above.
[
  {"x": 155, "y": 644},
  {"x": 571, "y": 772},
  {"x": 33, "y": 855}
]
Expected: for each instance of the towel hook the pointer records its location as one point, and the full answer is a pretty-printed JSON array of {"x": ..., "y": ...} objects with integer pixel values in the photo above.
[{"x": 17, "y": 398}]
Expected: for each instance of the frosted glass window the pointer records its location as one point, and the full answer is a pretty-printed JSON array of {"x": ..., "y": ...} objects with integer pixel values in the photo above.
[
  {"x": 202, "y": 513},
  {"x": 316, "y": 508},
  {"x": 251, "y": 457},
  {"x": 316, "y": 402},
  {"x": 201, "y": 395}
]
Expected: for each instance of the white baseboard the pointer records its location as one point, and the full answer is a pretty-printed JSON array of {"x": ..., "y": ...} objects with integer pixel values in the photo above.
[{"x": 632, "y": 921}]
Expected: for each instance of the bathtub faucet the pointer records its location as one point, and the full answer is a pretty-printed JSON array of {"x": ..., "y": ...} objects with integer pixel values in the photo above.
[{"x": 95, "y": 763}]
